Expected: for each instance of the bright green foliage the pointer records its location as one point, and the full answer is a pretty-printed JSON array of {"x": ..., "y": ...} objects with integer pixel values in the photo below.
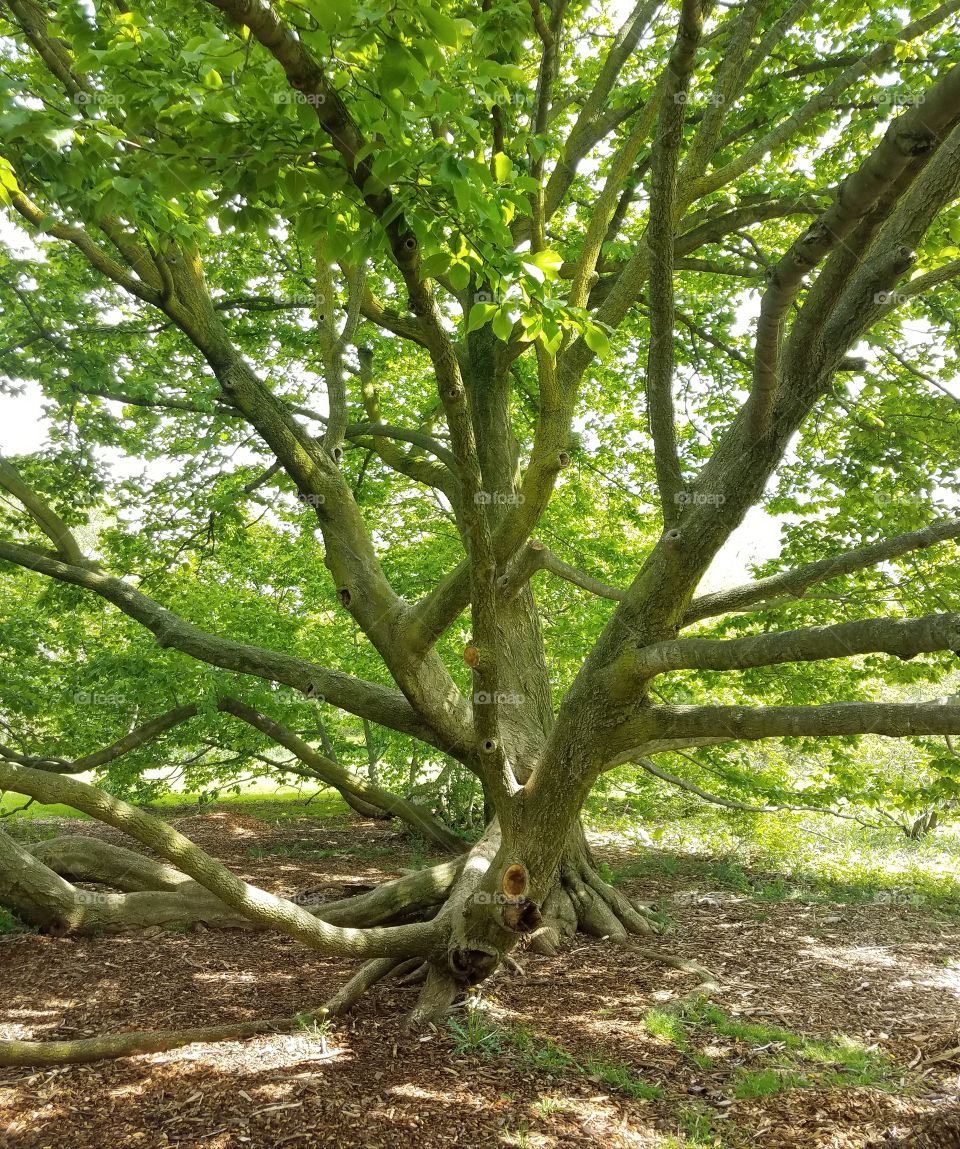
[{"x": 187, "y": 131}]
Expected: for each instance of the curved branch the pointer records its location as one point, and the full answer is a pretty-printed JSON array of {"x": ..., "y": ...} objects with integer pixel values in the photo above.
[
  {"x": 259, "y": 906},
  {"x": 732, "y": 804},
  {"x": 536, "y": 557},
  {"x": 42, "y": 514},
  {"x": 793, "y": 584},
  {"x": 328, "y": 771},
  {"x": 911, "y": 135},
  {"x": 904, "y": 638},
  {"x": 660, "y": 243},
  {"x": 366, "y": 699}
]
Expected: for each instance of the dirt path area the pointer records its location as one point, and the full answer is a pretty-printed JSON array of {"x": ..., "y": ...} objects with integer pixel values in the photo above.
[{"x": 597, "y": 1047}]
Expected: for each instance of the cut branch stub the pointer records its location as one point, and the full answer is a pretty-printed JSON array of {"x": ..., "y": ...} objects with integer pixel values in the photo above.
[
  {"x": 471, "y": 656},
  {"x": 514, "y": 881}
]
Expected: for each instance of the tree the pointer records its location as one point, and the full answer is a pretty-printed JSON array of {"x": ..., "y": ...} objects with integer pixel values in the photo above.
[{"x": 394, "y": 274}]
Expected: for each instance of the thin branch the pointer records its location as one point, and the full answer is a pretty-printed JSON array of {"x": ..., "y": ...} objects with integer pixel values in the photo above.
[
  {"x": 660, "y": 243},
  {"x": 794, "y": 583},
  {"x": 732, "y": 804}
]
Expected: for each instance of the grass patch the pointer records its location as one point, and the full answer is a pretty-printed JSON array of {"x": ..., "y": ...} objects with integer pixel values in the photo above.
[
  {"x": 281, "y": 805},
  {"x": 478, "y": 1035},
  {"x": 697, "y": 1126},
  {"x": 10, "y": 802},
  {"x": 620, "y": 1076},
  {"x": 784, "y": 855},
  {"x": 547, "y": 1107},
  {"x": 796, "y": 1060},
  {"x": 752, "y": 1083},
  {"x": 10, "y": 924},
  {"x": 317, "y": 853}
]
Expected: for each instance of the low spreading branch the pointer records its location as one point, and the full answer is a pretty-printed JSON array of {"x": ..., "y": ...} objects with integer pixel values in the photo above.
[
  {"x": 792, "y": 584},
  {"x": 668, "y": 727},
  {"x": 265, "y": 909},
  {"x": 904, "y": 638}
]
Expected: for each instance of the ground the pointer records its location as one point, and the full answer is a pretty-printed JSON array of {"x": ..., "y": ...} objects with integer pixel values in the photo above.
[{"x": 835, "y": 1024}]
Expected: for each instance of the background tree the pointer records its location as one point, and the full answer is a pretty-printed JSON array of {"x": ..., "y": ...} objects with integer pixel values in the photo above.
[{"x": 488, "y": 311}]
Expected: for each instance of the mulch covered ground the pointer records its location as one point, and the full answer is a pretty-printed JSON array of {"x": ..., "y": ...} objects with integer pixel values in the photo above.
[{"x": 883, "y": 975}]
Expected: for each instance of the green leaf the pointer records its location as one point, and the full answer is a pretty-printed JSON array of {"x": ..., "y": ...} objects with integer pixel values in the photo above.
[
  {"x": 502, "y": 322},
  {"x": 596, "y": 339},
  {"x": 459, "y": 276},
  {"x": 502, "y": 167},
  {"x": 480, "y": 314},
  {"x": 441, "y": 25},
  {"x": 435, "y": 264},
  {"x": 548, "y": 261}
]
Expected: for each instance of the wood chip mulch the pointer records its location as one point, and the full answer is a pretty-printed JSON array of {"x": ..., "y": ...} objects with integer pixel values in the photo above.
[{"x": 887, "y": 977}]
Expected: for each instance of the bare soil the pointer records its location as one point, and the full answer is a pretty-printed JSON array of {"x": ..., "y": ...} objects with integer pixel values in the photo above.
[{"x": 884, "y": 975}]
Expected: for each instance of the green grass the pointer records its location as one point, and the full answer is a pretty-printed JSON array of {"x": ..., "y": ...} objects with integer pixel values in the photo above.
[
  {"x": 36, "y": 810},
  {"x": 317, "y": 853},
  {"x": 316, "y": 1029},
  {"x": 696, "y": 1123},
  {"x": 621, "y": 1077},
  {"x": 9, "y": 924},
  {"x": 795, "y": 1060},
  {"x": 753, "y": 1083},
  {"x": 274, "y": 805},
  {"x": 478, "y": 1035},
  {"x": 547, "y": 1106},
  {"x": 279, "y": 805}
]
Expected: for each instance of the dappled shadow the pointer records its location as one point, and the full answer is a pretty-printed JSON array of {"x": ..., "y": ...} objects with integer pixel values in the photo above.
[{"x": 575, "y": 1062}]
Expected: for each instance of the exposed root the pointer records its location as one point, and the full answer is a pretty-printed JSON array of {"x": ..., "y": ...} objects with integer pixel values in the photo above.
[
  {"x": 81, "y": 858},
  {"x": 708, "y": 979},
  {"x": 369, "y": 974},
  {"x": 559, "y": 923},
  {"x": 115, "y": 1045},
  {"x": 582, "y": 900},
  {"x": 414, "y": 972},
  {"x": 37, "y": 880},
  {"x": 439, "y": 993}
]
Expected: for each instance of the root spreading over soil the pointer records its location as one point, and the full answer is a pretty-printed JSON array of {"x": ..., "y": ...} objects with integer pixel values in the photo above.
[{"x": 593, "y": 1045}]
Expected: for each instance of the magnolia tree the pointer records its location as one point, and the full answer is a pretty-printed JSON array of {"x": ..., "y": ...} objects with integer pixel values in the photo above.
[{"x": 405, "y": 290}]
